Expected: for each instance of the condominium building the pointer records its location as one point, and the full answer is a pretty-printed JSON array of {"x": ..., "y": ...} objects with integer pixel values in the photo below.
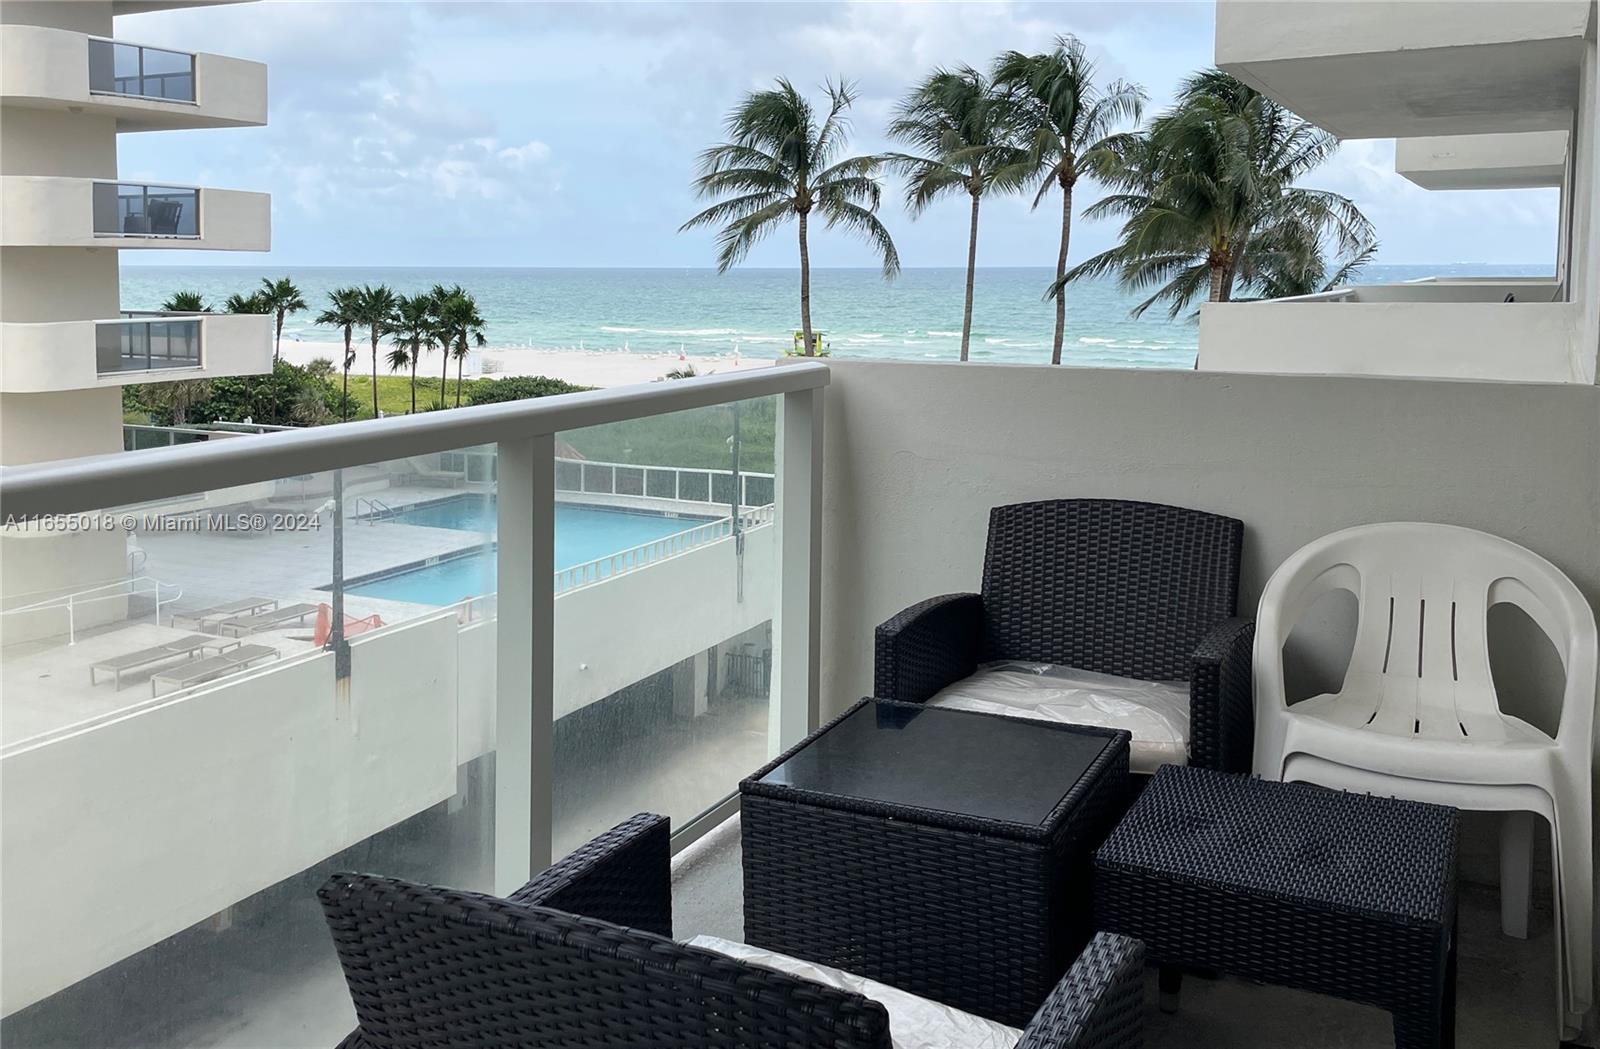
[
  {"x": 70, "y": 85},
  {"x": 1477, "y": 96}
]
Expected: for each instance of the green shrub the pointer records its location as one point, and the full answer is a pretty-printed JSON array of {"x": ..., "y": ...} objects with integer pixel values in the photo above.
[
  {"x": 517, "y": 388},
  {"x": 286, "y": 397}
]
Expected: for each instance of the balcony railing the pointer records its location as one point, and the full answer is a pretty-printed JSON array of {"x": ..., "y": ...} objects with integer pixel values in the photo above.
[
  {"x": 131, "y": 209},
  {"x": 116, "y": 68},
  {"x": 164, "y": 341},
  {"x": 392, "y": 718}
]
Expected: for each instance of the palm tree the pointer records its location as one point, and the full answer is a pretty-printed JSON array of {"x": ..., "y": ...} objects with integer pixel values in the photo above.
[
  {"x": 281, "y": 298},
  {"x": 1067, "y": 122},
  {"x": 962, "y": 126},
  {"x": 460, "y": 326},
  {"x": 251, "y": 303},
  {"x": 780, "y": 163},
  {"x": 344, "y": 313},
  {"x": 1210, "y": 204},
  {"x": 185, "y": 302},
  {"x": 375, "y": 310},
  {"x": 414, "y": 334}
]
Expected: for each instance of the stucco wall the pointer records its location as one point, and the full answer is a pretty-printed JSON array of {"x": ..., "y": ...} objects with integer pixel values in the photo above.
[
  {"x": 199, "y": 802},
  {"x": 916, "y": 454}
]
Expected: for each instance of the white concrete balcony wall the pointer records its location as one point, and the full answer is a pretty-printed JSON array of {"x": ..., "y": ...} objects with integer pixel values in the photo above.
[
  {"x": 41, "y": 211},
  {"x": 1489, "y": 340},
  {"x": 1532, "y": 159},
  {"x": 62, "y": 355},
  {"x": 1375, "y": 70},
  {"x": 50, "y": 68}
]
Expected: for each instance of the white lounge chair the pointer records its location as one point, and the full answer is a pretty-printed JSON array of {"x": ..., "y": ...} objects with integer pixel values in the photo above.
[
  {"x": 216, "y": 666},
  {"x": 181, "y": 647},
  {"x": 1417, "y": 716},
  {"x": 247, "y": 606},
  {"x": 242, "y": 625}
]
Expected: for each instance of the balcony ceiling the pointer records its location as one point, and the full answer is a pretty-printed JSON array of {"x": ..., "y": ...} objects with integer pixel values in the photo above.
[
  {"x": 1519, "y": 161},
  {"x": 1364, "y": 70}
]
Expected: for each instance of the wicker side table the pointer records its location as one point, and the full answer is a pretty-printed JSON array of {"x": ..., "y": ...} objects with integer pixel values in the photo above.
[
  {"x": 1291, "y": 884},
  {"x": 942, "y": 851}
]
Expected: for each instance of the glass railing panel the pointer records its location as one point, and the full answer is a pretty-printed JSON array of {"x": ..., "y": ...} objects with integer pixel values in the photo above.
[
  {"x": 127, "y": 209},
  {"x": 147, "y": 345},
  {"x": 186, "y": 807},
  {"x": 665, "y": 598},
  {"x": 147, "y": 72}
]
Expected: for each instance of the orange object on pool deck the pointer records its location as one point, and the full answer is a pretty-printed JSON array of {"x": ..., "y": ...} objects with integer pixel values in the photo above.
[{"x": 352, "y": 625}]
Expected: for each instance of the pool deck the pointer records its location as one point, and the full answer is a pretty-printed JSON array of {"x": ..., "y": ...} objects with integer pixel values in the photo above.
[{"x": 46, "y": 683}]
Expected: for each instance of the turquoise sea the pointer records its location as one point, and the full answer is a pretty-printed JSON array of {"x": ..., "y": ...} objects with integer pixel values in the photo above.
[{"x": 755, "y": 311}]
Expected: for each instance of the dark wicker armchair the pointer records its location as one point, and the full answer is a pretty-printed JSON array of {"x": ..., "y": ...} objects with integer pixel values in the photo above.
[
  {"x": 580, "y": 957},
  {"x": 1137, "y": 590}
]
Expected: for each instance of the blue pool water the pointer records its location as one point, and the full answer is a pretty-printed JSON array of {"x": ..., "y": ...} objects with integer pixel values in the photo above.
[{"x": 583, "y": 534}]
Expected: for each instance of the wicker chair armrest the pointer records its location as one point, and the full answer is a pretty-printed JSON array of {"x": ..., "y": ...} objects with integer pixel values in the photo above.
[
  {"x": 926, "y": 647},
  {"x": 623, "y": 876},
  {"x": 1222, "y": 699},
  {"x": 1099, "y": 1003}
]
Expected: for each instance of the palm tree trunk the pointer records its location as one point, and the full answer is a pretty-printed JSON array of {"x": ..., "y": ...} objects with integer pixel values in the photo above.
[
  {"x": 1219, "y": 273},
  {"x": 344, "y": 392},
  {"x": 972, "y": 268},
  {"x": 414, "y": 355},
  {"x": 444, "y": 377},
  {"x": 461, "y": 363},
  {"x": 805, "y": 290},
  {"x": 1061, "y": 272},
  {"x": 277, "y": 338},
  {"x": 374, "y": 373}
]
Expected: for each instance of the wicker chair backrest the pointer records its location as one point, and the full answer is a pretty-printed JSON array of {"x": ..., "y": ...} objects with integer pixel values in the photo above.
[
  {"x": 1107, "y": 585},
  {"x": 437, "y": 967}
]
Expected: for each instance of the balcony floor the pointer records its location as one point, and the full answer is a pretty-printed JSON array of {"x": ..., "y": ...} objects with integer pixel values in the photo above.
[
  {"x": 272, "y": 983},
  {"x": 1506, "y": 993}
]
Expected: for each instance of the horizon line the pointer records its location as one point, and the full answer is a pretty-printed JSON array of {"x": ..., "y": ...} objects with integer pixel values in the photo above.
[{"x": 741, "y": 269}]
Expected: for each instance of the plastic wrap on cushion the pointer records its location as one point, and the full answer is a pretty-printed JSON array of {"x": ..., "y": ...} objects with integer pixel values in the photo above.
[
  {"x": 1155, "y": 712},
  {"x": 914, "y": 1023}
]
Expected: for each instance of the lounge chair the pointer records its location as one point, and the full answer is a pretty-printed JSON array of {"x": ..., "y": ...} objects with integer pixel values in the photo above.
[
  {"x": 245, "y": 606},
  {"x": 183, "y": 646},
  {"x": 242, "y": 625},
  {"x": 219, "y": 665}
]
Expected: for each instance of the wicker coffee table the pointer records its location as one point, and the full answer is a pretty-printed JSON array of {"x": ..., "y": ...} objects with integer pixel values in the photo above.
[
  {"x": 942, "y": 851},
  {"x": 1291, "y": 884}
]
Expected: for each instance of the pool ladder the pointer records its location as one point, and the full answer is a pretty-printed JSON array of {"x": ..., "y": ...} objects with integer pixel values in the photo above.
[{"x": 374, "y": 506}]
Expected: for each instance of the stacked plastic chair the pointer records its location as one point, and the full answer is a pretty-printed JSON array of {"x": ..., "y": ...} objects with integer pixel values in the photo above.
[{"x": 1418, "y": 716}]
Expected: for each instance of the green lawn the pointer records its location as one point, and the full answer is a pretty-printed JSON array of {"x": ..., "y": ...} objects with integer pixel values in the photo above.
[{"x": 394, "y": 393}]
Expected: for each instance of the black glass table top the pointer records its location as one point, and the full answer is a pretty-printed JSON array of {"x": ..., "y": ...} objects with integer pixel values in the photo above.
[{"x": 954, "y": 761}]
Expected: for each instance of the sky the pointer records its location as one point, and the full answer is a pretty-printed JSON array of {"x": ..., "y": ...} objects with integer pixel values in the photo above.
[{"x": 524, "y": 134}]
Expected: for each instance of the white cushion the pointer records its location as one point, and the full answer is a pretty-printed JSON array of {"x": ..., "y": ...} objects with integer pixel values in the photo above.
[
  {"x": 914, "y": 1023},
  {"x": 1155, "y": 712}
]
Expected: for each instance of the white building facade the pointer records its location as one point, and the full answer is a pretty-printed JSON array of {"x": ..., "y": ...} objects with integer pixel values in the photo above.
[
  {"x": 1478, "y": 96},
  {"x": 69, "y": 87}
]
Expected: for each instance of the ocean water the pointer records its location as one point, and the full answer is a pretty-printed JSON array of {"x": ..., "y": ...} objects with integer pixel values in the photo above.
[{"x": 755, "y": 312}]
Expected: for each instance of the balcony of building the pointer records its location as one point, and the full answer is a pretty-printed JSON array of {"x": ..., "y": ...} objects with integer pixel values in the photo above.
[
  {"x": 42, "y": 211},
  {"x": 1515, "y": 329},
  {"x": 561, "y": 612},
  {"x": 138, "y": 347},
  {"x": 1364, "y": 70},
  {"x": 1530, "y": 160},
  {"x": 144, "y": 88}
]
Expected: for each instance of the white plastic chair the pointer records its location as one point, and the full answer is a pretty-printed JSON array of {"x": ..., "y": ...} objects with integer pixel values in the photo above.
[{"x": 1417, "y": 716}]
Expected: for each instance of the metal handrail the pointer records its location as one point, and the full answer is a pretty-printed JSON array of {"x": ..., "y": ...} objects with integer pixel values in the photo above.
[
  {"x": 624, "y": 561},
  {"x": 586, "y": 465},
  {"x": 70, "y": 602},
  {"x": 115, "y": 479}
]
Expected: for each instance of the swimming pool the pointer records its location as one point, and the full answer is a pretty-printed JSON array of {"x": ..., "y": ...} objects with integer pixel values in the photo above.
[{"x": 583, "y": 534}]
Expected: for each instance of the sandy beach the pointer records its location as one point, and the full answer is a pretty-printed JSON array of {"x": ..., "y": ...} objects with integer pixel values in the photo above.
[{"x": 584, "y": 367}]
